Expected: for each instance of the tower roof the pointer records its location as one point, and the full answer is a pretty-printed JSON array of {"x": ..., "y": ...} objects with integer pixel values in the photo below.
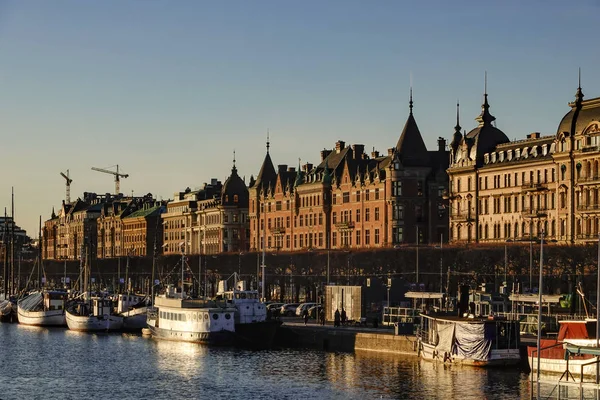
[{"x": 411, "y": 148}]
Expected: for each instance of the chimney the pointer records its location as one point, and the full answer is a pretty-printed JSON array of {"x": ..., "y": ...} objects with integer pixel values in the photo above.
[
  {"x": 292, "y": 169},
  {"x": 324, "y": 154},
  {"x": 281, "y": 168},
  {"x": 358, "y": 150},
  {"x": 339, "y": 146},
  {"x": 374, "y": 154},
  {"x": 441, "y": 144},
  {"x": 213, "y": 181},
  {"x": 533, "y": 135},
  {"x": 391, "y": 151},
  {"x": 307, "y": 167}
]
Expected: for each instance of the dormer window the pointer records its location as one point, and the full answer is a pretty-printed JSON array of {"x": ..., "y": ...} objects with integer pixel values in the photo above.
[
  {"x": 493, "y": 157},
  {"x": 518, "y": 153},
  {"x": 501, "y": 156},
  {"x": 235, "y": 198},
  {"x": 545, "y": 149},
  {"x": 509, "y": 155},
  {"x": 486, "y": 158},
  {"x": 396, "y": 165},
  {"x": 525, "y": 152}
]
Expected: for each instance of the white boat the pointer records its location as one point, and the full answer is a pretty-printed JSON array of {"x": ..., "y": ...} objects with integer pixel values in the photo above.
[
  {"x": 134, "y": 310},
  {"x": 94, "y": 315},
  {"x": 479, "y": 342},
  {"x": 574, "y": 347},
  {"x": 176, "y": 317},
  {"x": 252, "y": 328},
  {"x": 45, "y": 308}
]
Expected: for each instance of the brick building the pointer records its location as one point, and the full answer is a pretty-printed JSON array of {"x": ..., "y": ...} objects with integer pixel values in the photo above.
[{"x": 351, "y": 200}]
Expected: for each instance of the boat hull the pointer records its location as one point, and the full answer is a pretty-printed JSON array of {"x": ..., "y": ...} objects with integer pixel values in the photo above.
[
  {"x": 104, "y": 323},
  {"x": 559, "y": 366},
  {"x": 220, "y": 338},
  {"x": 136, "y": 319},
  {"x": 498, "y": 358},
  {"x": 256, "y": 334},
  {"x": 42, "y": 318}
]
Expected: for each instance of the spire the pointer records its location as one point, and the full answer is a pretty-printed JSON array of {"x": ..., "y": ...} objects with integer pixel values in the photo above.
[
  {"x": 410, "y": 103},
  {"x": 410, "y": 146},
  {"x": 234, "y": 169},
  {"x": 485, "y": 118},
  {"x": 268, "y": 143},
  {"x": 457, "y": 134},
  {"x": 53, "y": 213},
  {"x": 579, "y": 93}
]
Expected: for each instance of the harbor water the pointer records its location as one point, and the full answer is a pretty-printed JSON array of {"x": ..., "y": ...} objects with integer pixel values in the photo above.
[{"x": 61, "y": 364}]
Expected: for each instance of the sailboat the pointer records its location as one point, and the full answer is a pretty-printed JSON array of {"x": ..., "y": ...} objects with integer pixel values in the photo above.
[
  {"x": 91, "y": 313},
  {"x": 43, "y": 307},
  {"x": 133, "y": 308}
]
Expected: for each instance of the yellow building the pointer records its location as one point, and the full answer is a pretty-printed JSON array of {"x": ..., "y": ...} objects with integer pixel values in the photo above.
[{"x": 502, "y": 191}]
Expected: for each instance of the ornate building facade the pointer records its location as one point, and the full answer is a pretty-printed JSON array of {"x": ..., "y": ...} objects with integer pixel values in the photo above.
[
  {"x": 351, "y": 200},
  {"x": 210, "y": 220},
  {"x": 504, "y": 191}
]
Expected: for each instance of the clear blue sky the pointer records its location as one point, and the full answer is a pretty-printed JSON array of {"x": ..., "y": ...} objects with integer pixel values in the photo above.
[{"x": 168, "y": 89}]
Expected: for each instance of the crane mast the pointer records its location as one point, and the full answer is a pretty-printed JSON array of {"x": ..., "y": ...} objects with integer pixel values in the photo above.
[
  {"x": 116, "y": 174},
  {"x": 68, "y": 186}
]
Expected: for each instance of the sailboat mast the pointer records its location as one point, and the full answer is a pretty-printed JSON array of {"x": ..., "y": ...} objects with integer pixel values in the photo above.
[
  {"x": 182, "y": 269},
  {"x": 40, "y": 254},
  {"x": 5, "y": 245},
  {"x": 12, "y": 243}
]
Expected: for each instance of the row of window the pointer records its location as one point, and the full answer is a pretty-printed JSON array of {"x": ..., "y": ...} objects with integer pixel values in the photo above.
[{"x": 309, "y": 240}]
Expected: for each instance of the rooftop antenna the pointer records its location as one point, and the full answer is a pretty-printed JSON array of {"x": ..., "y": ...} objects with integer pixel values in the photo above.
[
  {"x": 579, "y": 82},
  {"x": 485, "y": 84}
]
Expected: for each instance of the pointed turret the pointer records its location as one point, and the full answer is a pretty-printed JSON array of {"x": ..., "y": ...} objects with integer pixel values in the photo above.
[
  {"x": 267, "y": 174},
  {"x": 53, "y": 213},
  {"x": 299, "y": 176},
  {"x": 579, "y": 93},
  {"x": 457, "y": 134},
  {"x": 327, "y": 174},
  {"x": 411, "y": 148}
]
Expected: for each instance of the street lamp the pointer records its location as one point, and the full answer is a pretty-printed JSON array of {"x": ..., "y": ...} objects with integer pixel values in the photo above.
[{"x": 389, "y": 286}]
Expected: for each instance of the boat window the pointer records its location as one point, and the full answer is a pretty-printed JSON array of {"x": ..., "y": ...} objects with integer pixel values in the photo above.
[
  {"x": 227, "y": 316},
  {"x": 183, "y": 318},
  {"x": 237, "y": 295},
  {"x": 205, "y": 316},
  {"x": 215, "y": 316}
]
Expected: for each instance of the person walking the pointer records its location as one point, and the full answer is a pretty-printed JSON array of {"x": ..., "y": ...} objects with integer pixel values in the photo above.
[
  {"x": 322, "y": 316},
  {"x": 343, "y": 317},
  {"x": 305, "y": 315},
  {"x": 336, "y": 318}
]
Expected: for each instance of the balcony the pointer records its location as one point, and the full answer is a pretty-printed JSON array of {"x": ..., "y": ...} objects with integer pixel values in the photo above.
[
  {"x": 532, "y": 187},
  {"x": 534, "y": 213},
  {"x": 344, "y": 225},
  {"x": 589, "y": 149},
  {"x": 277, "y": 230},
  {"x": 587, "y": 237},
  {"x": 588, "y": 180},
  {"x": 589, "y": 208},
  {"x": 462, "y": 217}
]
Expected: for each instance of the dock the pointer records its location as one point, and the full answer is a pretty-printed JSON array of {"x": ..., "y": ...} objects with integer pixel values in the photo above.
[{"x": 344, "y": 338}]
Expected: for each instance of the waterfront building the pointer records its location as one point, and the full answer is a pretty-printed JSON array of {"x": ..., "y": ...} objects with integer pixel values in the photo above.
[
  {"x": 209, "y": 220},
  {"x": 351, "y": 200},
  {"x": 94, "y": 225},
  {"x": 503, "y": 191},
  {"x": 142, "y": 230}
]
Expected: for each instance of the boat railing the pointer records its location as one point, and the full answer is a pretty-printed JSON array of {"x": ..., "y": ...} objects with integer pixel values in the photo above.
[{"x": 393, "y": 315}]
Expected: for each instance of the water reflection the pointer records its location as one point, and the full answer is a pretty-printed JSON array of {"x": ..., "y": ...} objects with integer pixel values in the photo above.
[{"x": 183, "y": 359}]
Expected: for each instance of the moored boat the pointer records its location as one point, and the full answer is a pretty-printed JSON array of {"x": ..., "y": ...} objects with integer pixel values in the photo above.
[
  {"x": 252, "y": 328},
  {"x": 176, "y": 317},
  {"x": 44, "y": 308},
  {"x": 480, "y": 342},
  {"x": 574, "y": 347},
  {"x": 95, "y": 315},
  {"x": 8, "y": 312},
  {"x": 134, "y": 310}
]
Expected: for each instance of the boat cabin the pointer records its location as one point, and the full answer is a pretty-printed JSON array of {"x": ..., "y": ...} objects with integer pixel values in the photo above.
[
  {"x": 126, "y": 302},
  {"x": 54, "y": 300}
]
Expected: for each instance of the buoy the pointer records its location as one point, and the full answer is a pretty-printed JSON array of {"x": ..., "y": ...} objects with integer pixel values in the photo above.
[{"x": 146, "y": 332}]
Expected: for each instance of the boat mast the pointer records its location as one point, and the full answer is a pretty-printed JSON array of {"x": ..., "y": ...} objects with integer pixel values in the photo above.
[
  {"x": 39, "y": 255},
  {"x": 598, "y": 309},
  {"x": 182, "y": 269},
  {"x": 12, "y": 243},
  {"x": 127, "y": 274},
  {"x": 539, "y": 327},
  {"x": 5, "y": 245}
]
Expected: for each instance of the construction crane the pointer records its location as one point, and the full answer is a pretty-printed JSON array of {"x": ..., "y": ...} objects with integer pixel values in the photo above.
[
  {"x": 68, "y": 184},
  {"x": 117, "y": 175}
]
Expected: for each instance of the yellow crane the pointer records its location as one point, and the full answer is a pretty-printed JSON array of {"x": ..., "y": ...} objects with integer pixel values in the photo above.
[
  {"x": 68, "y": 184},
  {"x": 117, "y": 175}
]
